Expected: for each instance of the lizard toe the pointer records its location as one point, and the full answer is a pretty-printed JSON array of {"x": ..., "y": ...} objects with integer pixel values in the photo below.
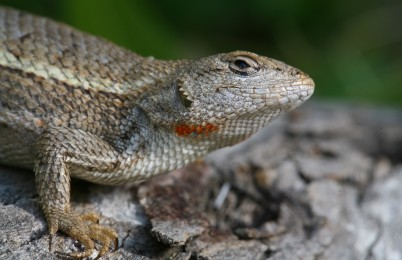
[
  {"x": 86, "y": 230},
  {"x": 105, "y": 236},
  {"x": 91, "y": 216}
]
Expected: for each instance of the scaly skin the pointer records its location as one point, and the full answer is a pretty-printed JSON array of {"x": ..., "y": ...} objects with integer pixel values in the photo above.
[{"x": 75, "y": 105}]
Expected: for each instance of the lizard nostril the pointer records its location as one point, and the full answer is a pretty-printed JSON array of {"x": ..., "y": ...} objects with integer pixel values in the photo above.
[
  {"x": 278, "y": 69},
  {"x": 295, "y": 73}
]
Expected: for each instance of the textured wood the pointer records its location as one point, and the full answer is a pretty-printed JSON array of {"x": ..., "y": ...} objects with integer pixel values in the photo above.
[{"x": 323, "y": 183}]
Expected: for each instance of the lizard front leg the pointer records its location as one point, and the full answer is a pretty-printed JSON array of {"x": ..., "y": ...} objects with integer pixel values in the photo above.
[{"x": 62, "y": 153}]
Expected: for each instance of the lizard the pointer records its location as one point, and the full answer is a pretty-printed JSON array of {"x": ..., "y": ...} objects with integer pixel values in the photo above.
[{"x": 73, "y": 105}]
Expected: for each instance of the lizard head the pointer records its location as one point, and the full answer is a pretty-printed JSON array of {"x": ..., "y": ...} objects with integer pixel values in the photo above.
[{"x": 231, "y": 94}]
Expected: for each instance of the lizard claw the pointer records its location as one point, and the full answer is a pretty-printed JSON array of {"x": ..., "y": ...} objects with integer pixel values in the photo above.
[
  {"x": 91, "y": 216},
  {"x": 63, "y": 255},
  {"x": 86, "y": 230}
]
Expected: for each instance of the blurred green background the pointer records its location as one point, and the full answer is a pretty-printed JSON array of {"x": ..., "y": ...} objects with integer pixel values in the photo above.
[{"x": 351, "y": 48}]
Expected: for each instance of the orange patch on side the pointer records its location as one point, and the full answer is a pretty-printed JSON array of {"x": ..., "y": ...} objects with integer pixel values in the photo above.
[
  {"x": 186, "y": 130},
  {"x": 39, "y": 122}
]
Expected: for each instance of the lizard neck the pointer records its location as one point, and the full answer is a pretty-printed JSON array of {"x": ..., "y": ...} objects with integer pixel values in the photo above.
[
  {"x": 169, "y": 151},
  {"x": 153, "y": 149}
]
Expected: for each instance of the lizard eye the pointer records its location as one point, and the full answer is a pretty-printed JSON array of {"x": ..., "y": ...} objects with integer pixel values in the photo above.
[
  {"x": 241, "y": 64},
  {"x": 184, "y": 99},
  {"x": 244, "y": 65}
]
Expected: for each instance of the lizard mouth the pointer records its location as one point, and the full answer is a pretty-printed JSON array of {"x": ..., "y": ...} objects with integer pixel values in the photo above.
[
  {"x": 225, "y": 89},
  {"x": 297, "y": 92},
  {"x": 301, "y": 89},
  {"x": 304, "y": 88}
]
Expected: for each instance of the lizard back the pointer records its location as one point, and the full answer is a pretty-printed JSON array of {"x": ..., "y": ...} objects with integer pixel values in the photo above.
[{"x": 52, "y": 74}]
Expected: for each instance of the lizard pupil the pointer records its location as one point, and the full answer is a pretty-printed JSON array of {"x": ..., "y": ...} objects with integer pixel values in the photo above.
[{"x": 241, "y": 64}]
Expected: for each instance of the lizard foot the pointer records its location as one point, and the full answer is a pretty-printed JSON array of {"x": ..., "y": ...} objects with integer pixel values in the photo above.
[{"x": 85, "y": 229}]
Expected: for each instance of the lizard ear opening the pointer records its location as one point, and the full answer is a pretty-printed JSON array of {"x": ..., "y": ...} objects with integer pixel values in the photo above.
[{"x": 184, "y": 97}]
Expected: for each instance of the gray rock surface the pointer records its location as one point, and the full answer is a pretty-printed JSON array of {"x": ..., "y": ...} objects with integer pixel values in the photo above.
[{"x": 322, "y": 183}]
